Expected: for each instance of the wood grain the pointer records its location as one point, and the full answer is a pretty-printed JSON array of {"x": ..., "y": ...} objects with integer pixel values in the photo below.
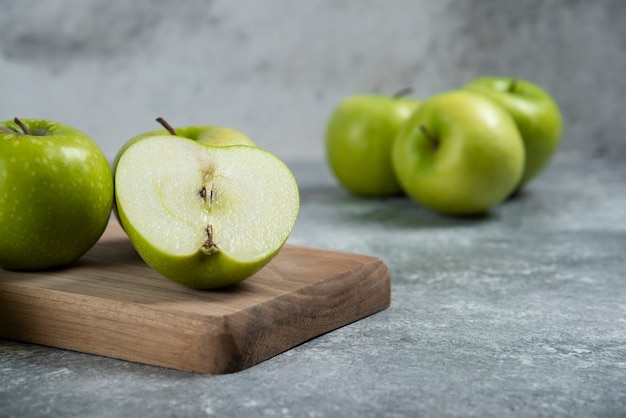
[{"x": 112, "y": 304}]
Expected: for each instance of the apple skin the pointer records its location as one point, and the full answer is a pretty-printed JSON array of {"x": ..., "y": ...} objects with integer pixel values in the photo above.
[
  {"x": 478, "y": 160},
  {"x": 358, "y": 141},
  {"x": 205, "y": 134},
  {"x": 536, "y": 114},
  {"x": 56, "y": 192},
  {"x": 220, "y": 136}
]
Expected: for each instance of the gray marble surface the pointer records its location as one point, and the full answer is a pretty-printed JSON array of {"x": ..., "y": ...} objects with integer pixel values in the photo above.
[{"x": 520, "y": 313}]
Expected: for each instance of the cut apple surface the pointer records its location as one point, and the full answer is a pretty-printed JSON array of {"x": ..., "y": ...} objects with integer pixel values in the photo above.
[{"x": 204, "y": 216}]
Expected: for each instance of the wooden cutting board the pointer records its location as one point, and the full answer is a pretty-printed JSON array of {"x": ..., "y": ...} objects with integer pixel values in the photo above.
[{"x": 112, "y": 304}]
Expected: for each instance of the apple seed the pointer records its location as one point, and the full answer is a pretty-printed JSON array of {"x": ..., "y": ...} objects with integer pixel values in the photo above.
[
  {"x": 203, "y": 194},
  {"x": 209, "y": 247}
]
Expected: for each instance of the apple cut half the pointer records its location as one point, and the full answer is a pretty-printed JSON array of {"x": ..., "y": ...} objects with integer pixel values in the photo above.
[{"x": 204, "y": 216}]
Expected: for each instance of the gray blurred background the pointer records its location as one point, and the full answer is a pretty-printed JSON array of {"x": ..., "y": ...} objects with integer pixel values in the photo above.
[{"x": 274, "y": 69}]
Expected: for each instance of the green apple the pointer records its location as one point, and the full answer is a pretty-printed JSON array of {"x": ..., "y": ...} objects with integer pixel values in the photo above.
[
  {"x": 536, "y": 115},
  {"x": 205, "y": 134},
  {"x": 204, "y": 216},
  {"x": 221, "y": 136},
  {"x": 358, "y": 142},
  {"x": 459, "y": 154},
  {"x": 56, "y": 191},
  {"x": 208, "y": 135}
]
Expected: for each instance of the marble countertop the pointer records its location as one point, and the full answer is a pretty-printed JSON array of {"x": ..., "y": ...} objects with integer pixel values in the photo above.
[{"x": 519, "y": 313}]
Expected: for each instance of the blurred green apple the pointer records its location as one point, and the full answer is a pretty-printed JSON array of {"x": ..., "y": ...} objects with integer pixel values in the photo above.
[
  {"x": 359, "y": 136},
  {"x": 536, "y": 115},
  {"x": 56, "y": 191},
  {"x": 459, "y": 154},
  {"x": 204, "y": 216}
]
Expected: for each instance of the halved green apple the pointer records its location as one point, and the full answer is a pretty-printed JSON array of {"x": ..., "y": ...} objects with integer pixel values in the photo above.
[{"x": 204, "y": 216}]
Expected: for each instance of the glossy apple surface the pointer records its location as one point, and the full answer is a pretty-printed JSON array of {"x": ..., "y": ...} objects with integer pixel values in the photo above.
[
  {"x": 56, "y": 191},
  {"x": 536, "y": 115},
  {"x": 358, "y": 142},
  {"x": 203, "y": 216},
  {"x": 459, "y": 154}
]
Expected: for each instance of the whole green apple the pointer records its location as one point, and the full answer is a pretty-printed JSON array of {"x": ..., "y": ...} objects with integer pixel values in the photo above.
[
  {"x": 56, "y": 191},
  {"x": 359, "y": 136},
  {"x": 459, "y": 154},
  {"x": 536, "y": 115},
  {"x": 204, "y": 216}
]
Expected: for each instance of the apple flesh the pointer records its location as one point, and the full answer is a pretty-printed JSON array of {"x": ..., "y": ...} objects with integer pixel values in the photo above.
[
  {"x": 358, "y": 142},
  {"x": 203, "y": 134},
  {"x": 56, "y": 192},
  {"x": 536, "y": 115},
  {"x": 202, "y": 216},
  {"x": 459, "y": 154}
]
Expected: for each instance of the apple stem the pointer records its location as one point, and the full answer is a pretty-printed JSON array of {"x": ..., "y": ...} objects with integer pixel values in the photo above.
[
  {"x": 166, "y": 125},
  {"x": 434, "y": 142},
  {"x": 512, "y": 85},
  {"x": 403, "y": 92},
  {"x": 19, "y": 123}
]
